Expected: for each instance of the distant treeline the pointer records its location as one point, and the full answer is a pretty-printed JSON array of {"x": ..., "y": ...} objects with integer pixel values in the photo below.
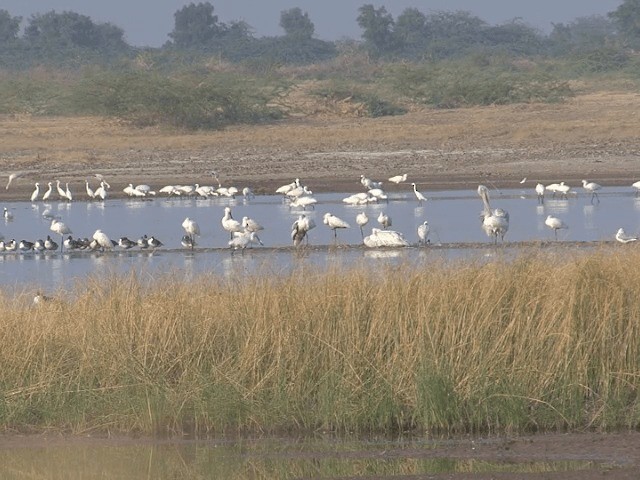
[
  {"x": 211, "y": 74},
  {"x": 68, "y": 39}
]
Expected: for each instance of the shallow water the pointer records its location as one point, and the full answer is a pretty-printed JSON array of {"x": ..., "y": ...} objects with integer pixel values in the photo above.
[
  {"x": 265, "y": 458},
  {"x": 452, "y": 215}
]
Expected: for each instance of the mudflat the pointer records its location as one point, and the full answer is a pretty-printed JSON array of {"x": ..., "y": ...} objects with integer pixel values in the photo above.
[{"x": 592, "y": 136}]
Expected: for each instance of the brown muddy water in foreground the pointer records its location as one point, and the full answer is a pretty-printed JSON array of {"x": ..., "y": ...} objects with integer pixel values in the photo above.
[{"x": 544, "y": 456}]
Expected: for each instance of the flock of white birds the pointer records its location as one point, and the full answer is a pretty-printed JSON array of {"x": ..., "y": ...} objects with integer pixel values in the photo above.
[{"x": 244, "y": 233}]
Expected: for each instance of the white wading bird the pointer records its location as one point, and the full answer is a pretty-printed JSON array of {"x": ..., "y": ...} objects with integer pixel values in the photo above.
[
  {"x": 384, "y": 220},
  {"x": 61, "y": 229},
  {"x": 300, "y": 229},
  {"x": 494, "y": 222},
  {"x": 230, "y": 224},
  {"x": 241, "y": 240},
  {"x": 540, "y": 192},
  {"x": 47, "y": 194},
  {"x": 385, "y": 238},
  {"x": 36, "y": 192},
  {"x": 423, "y": 233},
  {"x": 101, "y": 191},
  {"x": 622, "y": 237},
  {"x": 421, "y": 198},
  {"x": 555, "y": 224},
  {"x": 362, "y": 219},
  {"x": 284, "y": 189},
  {"x": 304, "y": 202},
  {"x": 192, "y": 229},
  {"x": 62, "y": 195},
  {"x": 592, "y": 187},
  {"x": 334, "y": 223},
  {"x": 250, "y": 225},
  {"x": 103, "y": 240},
  {"x": 398, "y": 178}
]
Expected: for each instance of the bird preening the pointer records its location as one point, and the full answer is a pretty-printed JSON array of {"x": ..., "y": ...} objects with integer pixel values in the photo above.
[{"x": 494, "y": 222}]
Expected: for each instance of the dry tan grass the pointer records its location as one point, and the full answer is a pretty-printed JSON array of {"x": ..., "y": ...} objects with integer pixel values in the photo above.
[{"x": 508, "y": 346}]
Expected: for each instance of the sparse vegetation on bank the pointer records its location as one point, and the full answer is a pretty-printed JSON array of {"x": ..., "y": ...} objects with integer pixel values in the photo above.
[{"x": 531, "y": 344}]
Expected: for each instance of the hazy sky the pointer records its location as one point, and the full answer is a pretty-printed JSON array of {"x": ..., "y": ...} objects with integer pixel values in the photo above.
[{"x": 147, "y": 22}]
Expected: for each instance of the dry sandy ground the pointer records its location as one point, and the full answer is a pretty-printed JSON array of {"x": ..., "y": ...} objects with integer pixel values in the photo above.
[
  {"x": 594, "y": 136},
  {"x": 591, "y": 136}
]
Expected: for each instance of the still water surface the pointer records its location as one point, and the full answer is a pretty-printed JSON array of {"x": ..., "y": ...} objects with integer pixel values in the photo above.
[
  {"x": 452, "y": 215},
  {"x": 268, "y": 459}
]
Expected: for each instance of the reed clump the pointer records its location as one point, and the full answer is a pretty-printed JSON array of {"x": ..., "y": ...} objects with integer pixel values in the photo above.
[{"x": 531, "y": 344}]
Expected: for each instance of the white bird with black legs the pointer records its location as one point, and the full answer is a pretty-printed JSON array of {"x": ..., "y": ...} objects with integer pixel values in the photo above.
[
  {"x": 362, "y": 219},
  {"x": 334, "y": 223},
  {"x": 593, "y": 188},
  {"x": 555, "y": 224},
  {"x": 423, "y": 233},
  {"x": 623, "y": 237},
  {"x": 47, "y": 194},
  {"x": 67, "y": 192},
  {"x": 90, "y": 193},
  {"x": 540, "y": 192},
  {"x": 101, "y": 191},
  {"x": 384, "y": 220},
  {"x": 563, "y": 189},
  {"x": 61, "y": 229},
  {"x": 229, "y": 223},
  {"x": 419, "y": 196},
  {"x": 62, "y": 195},
  {"x": 494, "y": 222},
  {"x": 398, "y": 178},
  {"x": 36, "y": 192},
  {"x": 192, "y": 229},
  {"x": 385, "y": 238},
  {"x": 300, "y": 229}
]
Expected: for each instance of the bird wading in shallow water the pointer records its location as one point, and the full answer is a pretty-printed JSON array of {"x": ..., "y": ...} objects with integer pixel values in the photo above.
[
  {"x": 494, "y": 222},
  {"x": 555, "y": 224},
  {"x": 593, "y": 188},
  {"x": 334, "y": 223}
]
